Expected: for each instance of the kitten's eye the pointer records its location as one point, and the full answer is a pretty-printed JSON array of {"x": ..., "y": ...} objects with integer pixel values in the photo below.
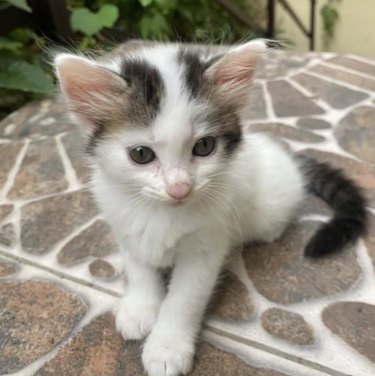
[
  {"x": 142, "y": 154},
  {"x": 205, "y": 146}
]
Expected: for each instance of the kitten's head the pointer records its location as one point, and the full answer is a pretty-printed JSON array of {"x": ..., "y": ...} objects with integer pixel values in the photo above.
[{"x": 163, "y": 122}]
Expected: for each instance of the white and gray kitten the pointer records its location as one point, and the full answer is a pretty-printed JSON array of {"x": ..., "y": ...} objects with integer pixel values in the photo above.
[{"x": 181, "y": 183}]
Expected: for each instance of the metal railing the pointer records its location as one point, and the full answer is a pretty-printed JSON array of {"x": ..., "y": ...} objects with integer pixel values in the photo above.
[{"x": 309, "y": 33}]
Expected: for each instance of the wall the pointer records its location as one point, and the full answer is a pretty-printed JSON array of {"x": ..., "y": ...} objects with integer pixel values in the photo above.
[{"x": 354, "y": 32}]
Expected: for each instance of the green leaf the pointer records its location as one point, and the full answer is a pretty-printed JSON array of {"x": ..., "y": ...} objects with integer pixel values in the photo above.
[
  {"x": 166, "y": 5},
  {"x": 17, "y": 74},
  {"x": 108, "y": 15},
  {"x": 145, "y": 3},
  {"x": 90, "y": 23},
  {"x": 22, "y": 35},
  {"x": 153, "y": 26},
  {"x": 21, "y": 4},
  {"x": 9, "y": 45}
]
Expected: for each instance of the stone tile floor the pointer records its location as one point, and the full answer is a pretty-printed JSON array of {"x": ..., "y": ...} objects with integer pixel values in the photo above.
[{"x": 275, "y": 313}]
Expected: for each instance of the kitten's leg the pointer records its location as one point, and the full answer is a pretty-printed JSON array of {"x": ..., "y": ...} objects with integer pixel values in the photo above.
[
  {"x": 169, "y": 350},
  {"x": 138, "y": 309}
]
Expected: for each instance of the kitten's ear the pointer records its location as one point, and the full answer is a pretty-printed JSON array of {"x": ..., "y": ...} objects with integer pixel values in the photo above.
[
  {"x": 91, "y": 91},
  {"x": 232, "y": 74}
]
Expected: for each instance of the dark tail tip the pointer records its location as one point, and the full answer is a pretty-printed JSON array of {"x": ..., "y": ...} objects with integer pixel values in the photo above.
[{"x": 335, "y": 235}]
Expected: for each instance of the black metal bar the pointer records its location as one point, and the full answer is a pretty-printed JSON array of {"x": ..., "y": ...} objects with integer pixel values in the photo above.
[
  {"x": 52, "y": 19},
  {"x": 312, "y": 24},
  {"x": 271, "y": 19},
  {"x": 294, "y": 17}
]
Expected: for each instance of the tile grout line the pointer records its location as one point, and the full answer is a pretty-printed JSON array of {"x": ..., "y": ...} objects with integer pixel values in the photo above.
[
  {"x": 57, "y": 273},
  {"x": 271, "y": 350},
  {"x": 12, "y": 174},
  {"x": 342, "y": 68},
  {"x": 338, "y": 82},
  {"x": 70, "y": 173}
]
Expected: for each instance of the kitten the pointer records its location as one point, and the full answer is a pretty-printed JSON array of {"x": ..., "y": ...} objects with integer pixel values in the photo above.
[{"x": 181, "y": 183}]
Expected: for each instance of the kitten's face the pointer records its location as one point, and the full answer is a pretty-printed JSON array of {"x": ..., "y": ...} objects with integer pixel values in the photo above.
[{"x": 159, "y": 122}]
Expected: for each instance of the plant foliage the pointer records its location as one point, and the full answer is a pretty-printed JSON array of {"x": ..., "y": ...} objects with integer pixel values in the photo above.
[{"x": 101, "y": 23}]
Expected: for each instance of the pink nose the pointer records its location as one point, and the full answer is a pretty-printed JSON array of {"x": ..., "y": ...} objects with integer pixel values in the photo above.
[{"x": 179, "y": 190}]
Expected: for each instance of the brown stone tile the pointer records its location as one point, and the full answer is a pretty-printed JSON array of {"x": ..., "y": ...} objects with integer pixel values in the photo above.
[
  {"x": 98, "y": 350},
  {"x": 279, "y": 130},
  {"x": 7, "y": 269},
  {"x": 287, "y": 101},
  {"x": 363, "y": 173},
  {"x": 350, "y": 78},
  {"x": 288, "y": 326},
  {"x": 8, "y": 156},
  {"x": 36, "y": 316},
  {"x": 256, "y": 109},
  {"x": 356, "y": 133},
  {"x": 5, "y": 210},
  {"x": 97, "y": 241},
  {"x": 335, "y": 95},
  {"x": 41, "y": 171},
  {"x": 312, "y": 123},
  {"x": 211, "y": 361},
  {"x": 354, "y": 322},
  {"x": 75, "y": 147},
  {"x": 282, "y": 274},
  {"x": 36, "y": 120},
  {"x": 7, "y": 235},
  {"x": 101, "y": 269},
  {"x": 353, "y": 64},
  {"x": 231, "y": 300},
  {"x": 47, "y": 221}
]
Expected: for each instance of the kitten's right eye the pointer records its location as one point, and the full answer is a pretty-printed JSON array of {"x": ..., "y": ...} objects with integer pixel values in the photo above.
[{"x": 142, "y": 154}]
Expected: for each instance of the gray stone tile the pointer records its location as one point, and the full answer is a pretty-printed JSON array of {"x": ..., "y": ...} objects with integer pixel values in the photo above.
[
  {"x": 287, "y": 101},
  {"x": 41, "y": 171},
  {"x": 97, "y": 241},
  {"x": 356, "y": 133},
  {"x": 335, "y": 95},
  {"x": 279, "y": 130},
  {"x": 350, "y": 78},
  {"x": 47, "y": 221},
  {"x": 354, "y": 64},
  {"x": 282, "y": 274}
]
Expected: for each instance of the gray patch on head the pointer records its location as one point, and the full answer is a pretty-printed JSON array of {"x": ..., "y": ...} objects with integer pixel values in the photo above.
[
  {"x": 225, "y": 122},
  {"x": 222, "y": 118},
  {"x": 146, "y": 90}
]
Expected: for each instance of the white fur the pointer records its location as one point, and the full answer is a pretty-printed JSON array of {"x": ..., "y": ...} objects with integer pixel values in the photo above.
[{"x": 251, "y": 196}]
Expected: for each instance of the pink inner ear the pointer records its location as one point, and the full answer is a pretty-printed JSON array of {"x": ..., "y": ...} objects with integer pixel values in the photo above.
[
  {"x": 92, "y": 92},
  {"x": 79, "y": 78},
  {"x": 238, "y": 71},
  {"x": 234, "y": 72}
]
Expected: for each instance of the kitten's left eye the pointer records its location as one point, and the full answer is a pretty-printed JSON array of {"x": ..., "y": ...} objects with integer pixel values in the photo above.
[
  {"x": 205, "y": 146},
  {"x": 142, "y": 154}
]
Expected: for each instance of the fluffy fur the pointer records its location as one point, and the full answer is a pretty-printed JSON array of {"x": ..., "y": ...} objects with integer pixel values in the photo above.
[{"x": 167, "y": 97}]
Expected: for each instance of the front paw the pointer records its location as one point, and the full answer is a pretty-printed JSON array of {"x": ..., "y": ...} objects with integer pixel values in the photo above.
[
  {"x": 135, "y": 318},
  {"x": 167, "y": 355}
]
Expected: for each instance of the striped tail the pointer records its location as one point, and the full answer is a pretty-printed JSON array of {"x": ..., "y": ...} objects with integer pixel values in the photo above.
[{"x": 350, "y": 217}]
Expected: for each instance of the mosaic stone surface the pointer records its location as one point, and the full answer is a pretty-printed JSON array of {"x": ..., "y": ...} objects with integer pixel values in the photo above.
[
  {"x": 35, "y": 317},
  {"x": 60, "y": 267}
]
